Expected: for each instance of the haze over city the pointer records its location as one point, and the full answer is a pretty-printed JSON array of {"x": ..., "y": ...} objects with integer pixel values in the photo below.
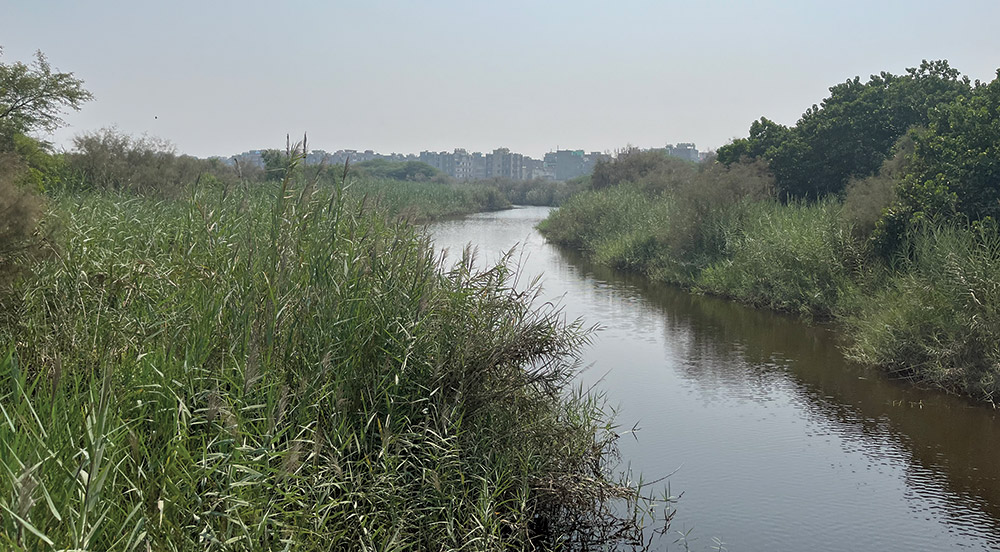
[{"x": 222, "y": 78}]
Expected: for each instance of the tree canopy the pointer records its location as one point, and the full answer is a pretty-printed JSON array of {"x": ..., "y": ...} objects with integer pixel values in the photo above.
[
  {"x": 955, "y": 167},
  {"x": 851, "y": 133},
  {"x": 33, "y": 97},
  {"x": 399, "y": 170}
]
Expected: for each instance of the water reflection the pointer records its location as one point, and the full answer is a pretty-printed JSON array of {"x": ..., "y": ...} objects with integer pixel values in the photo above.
[{"x": 781, "y": 443}]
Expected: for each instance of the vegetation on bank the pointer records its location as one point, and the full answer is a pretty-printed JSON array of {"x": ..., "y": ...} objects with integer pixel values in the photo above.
[
  {"x": 194, "y": 359},
  {"x": 878, "y": 209}
]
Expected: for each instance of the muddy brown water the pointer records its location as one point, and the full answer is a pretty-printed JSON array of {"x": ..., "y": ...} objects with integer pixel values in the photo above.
[{"x": 774, "y": 439}]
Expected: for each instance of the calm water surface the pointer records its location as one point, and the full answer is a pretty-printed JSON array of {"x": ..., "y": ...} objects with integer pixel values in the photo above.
[{"x": 778, "y": 443}]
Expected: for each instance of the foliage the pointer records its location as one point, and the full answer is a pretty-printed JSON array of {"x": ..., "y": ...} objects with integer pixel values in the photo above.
[
  {"x": 909, "y": 259},
  {"x": 19, "y": 211},
  {"x": 668, "y": 227},
  {"x": 955, "y": 168},
  {"x": 398, "y": 170},
  {"x": 851, "y": 133},
  {"x": 285, "y": 368},
  {"x": 536, "y": 191},
  {"x": 784, "y": 257},
  {"x": 937, "y": 319},
  {"x": 650, "y": 168},
  {"x": 867, "y": 199},
  {"x": 111, "y": 160},
  {"x": 40, "y": 168},
  {"x": 276, "y": 164},
  {"x": 32, "y": 97}
]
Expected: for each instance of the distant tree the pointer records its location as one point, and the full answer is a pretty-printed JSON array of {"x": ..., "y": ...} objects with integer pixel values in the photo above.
[
  {"x": 276, "y": 163},
  {"x": 764, "y": 135},
  {"x": 111, "y": 160},
  {"x": 398, "y": 170},
  {"x": 32, "y": 97},
  {"x": 852, "y": 132},
  {"x": 654, "y": 170}
]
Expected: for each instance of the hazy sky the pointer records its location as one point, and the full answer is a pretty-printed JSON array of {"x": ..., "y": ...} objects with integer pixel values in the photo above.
[{"x": 218, "y": 78}]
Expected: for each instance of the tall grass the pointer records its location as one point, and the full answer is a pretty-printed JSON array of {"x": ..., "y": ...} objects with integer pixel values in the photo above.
[
  {"x": 938, "y": 317},
  {"x": 422, "y": 201},
  {"x": 792, "y": 257},
  {"x": 615, "y": 226},
  {"x": 932, "y": 316},
  {"x": 287, "y": 369}
]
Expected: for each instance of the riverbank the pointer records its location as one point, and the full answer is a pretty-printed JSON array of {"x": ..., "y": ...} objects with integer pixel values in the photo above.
[
  {"x": 288, "y": 366},
  {"x": 715, "y": 390},
  {"x": 929, "y": 314}
]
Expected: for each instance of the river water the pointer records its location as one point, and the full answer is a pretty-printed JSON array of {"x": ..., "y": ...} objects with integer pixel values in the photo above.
[{"x": 774, "y": 439}]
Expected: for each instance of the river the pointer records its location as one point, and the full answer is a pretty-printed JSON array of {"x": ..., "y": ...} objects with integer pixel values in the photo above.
[{"x": 774, "y": 439}]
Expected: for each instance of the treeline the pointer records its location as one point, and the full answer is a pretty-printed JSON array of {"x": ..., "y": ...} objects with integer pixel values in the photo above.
[{"x": 877, "y": 209}]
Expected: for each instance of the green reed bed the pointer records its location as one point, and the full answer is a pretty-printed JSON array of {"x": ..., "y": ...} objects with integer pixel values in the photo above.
[
  {"x": 930, "y": 315},
  {"x": 795, "y": 257},
  {"x": 422, "y": 201},
  {"x": 937, "y": 319},
  {"x": 286, "y": 370}
]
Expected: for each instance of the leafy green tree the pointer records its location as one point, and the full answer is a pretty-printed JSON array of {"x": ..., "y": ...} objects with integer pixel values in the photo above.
[
  {"x": 276, "y": 164},
  {"x": 32, "y": 97},
  {"x": 852, "y": 132},
  {"x": 764, "y": 135},
  {"x": 955, "y": 167}
]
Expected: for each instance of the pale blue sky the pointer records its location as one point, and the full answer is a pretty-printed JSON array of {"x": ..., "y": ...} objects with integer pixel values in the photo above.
[{"x": 218, "y": 78}]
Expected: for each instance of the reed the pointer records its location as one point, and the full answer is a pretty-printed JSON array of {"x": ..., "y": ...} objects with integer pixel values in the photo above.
[
  {"x": 289, "y": 367},
  {"x": 937, "y": 319}
]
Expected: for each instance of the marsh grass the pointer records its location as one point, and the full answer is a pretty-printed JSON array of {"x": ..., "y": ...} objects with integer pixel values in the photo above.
[
  {"x": 937, "y": 319},
  {"x": 290, "y": 368},
  {"x": 792, "y": 257},
  {"x": 423, "y": 201},
  {"x": 930, "y": 315}
]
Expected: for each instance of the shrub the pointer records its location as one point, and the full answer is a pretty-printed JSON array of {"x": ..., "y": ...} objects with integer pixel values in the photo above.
[
  {"x": 110, "y": 160},
  {"x": 653, "y": 170},
  {"x": 19, "y": 212}
]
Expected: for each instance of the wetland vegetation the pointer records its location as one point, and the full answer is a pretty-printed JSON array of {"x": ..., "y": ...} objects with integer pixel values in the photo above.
[
  {"x": 878, "y": 209},
  {"x": 194, "y": 357}
]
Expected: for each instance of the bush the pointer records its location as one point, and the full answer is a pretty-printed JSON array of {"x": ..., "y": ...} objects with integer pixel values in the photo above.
[
  {"x": 867, "y": 199},
  {"x": 653, "y": 170},
  {"x": 19, "y": 212},
  {"x": 110, "y": 160}
]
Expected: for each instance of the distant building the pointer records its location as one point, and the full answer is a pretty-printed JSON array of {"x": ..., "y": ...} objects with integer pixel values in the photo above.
[
  {"x": 684, "y": 151},
  {"x": 568, "y": 164},
  {"x": 460, "y": 164},
  {"x": 504, "y": 164}
]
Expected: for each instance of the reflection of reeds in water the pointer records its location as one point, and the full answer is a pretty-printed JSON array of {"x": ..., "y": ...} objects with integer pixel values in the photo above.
[{"x": 735, "y": 352}]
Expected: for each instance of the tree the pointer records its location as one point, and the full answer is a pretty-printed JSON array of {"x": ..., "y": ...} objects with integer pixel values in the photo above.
[
  {"x": 850, "y": 133},
  {"x": 276, "y": 163},
  {"x": 33, "y": 97},
  {"x": 955, "y": 168}
]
